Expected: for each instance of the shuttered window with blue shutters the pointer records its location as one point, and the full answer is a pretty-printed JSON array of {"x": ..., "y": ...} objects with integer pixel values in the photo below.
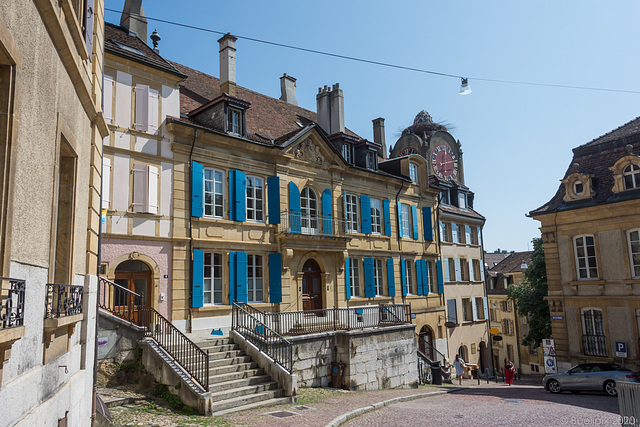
[
  {"x": 387, "y": 217},
  {"x": 294, "y": 208},
  {"x": 427, "y": 223},
  {"x": 391, "y": 279},
  {"x": 197, "y": 275},
  {"x": 369, "y": 278},
  {"x": 419, "y": 277},
  {"x": 237, "y": 197},
  {"x": 365, "y": 213},
  {"x": 347, "y": 278},
  {"x": 237, "y": 277},
  {"x": 273, "y": 199},
  {"x": 403, "y": 276},
  {"x": 400, "y": 219},
  {"x": 327, "y": 213},
  {"x": 275, "y": 277},
  {"x": 196, "y": 190},
  {"x": 414, "y": 220},
  {"x": 440, "y": 277}
]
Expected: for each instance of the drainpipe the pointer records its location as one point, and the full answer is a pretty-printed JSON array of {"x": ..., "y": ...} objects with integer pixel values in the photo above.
[
  {"x": 398, "y": 235},
  {"x": 190, "y": 177}
]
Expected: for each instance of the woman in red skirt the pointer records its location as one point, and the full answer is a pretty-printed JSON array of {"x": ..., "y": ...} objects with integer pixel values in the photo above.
[{"x": 509, "y": 370}]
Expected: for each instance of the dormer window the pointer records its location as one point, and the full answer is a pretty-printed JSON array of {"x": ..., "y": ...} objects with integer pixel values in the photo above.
[
  {"x": 631, "y": 175},
  {"x": 372, "y": 160},
  {"x": 444, "y": 197},
  {"x": 578, "y": 188},
  {"x": 347, "y": 152},
  {"x": 235, "y": 121},
  {"x": 462, "y": 200},
  {"x": 413, "y": 172}
]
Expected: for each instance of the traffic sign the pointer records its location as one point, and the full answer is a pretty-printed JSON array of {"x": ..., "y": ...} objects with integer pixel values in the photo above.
[
  {"x": 552, "y": 352},
  {"x": 547, "y": 343},
  {"x": 621, "y": 349},
  {"x": 549, "y": 365}
]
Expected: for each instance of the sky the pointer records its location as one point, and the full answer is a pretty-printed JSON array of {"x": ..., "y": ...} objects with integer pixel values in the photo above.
[{"x": 516, "y": 138}]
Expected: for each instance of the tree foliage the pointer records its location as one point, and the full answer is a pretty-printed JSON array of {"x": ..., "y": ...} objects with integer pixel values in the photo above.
[{"x": 529, "y": 298}]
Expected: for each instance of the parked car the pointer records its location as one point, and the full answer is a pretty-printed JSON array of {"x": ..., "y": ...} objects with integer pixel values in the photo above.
[{"x": 590, "y": 377}]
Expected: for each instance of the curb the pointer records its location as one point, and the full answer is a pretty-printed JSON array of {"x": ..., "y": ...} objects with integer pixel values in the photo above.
[{"x": 352, "y": 414}]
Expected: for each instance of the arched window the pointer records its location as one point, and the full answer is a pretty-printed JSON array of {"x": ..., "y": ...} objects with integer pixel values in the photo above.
[
  {"x": 631, "y": 176},
  {"x": 594, "y": 340},
  {"x": 309, "y": 211}
]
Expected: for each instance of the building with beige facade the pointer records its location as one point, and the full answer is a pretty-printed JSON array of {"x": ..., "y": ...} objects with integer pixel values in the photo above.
[
  {"x": 592, "y": 252},
  {"x": 51, "y": 130}
]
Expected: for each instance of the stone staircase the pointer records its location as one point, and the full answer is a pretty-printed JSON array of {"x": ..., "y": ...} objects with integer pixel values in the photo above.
[{"x": 236, "y": 382}]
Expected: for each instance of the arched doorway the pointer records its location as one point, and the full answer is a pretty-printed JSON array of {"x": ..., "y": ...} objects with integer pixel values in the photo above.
[
  {"x": 135, "y": 276},
  {"x": 462, "y": 351},
  {"x": 425, "y": 342},
  {"x": 311, "y": 286},
  {"x": 484, "y": 357}
]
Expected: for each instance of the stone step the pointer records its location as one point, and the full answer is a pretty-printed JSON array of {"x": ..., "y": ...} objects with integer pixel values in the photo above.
[
  {"x": 237, "y": 367},
  {"x": 261, "y": 404},
  {"x": 213, "y": 379},
  {"x": 214, "y": 363},
  {"x": 219, "y": 348},
  {"x": 234, "y": 402},
  {"x": 212, "y": 341},
  {"x": 226, "y": 354},
  {"x": 243, "y": 391},
  {"x": 215, "y": 387}
]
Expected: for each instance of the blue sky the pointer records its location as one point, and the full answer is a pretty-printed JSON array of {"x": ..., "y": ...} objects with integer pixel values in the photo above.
[{"x": 517, "y": 139}]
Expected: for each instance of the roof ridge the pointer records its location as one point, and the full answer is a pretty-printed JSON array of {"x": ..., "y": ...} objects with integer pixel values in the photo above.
[{"x": 594, "y": 140}]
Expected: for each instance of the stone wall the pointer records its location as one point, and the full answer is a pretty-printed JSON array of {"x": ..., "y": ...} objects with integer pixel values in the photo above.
[{"x": 117, "y": 338}]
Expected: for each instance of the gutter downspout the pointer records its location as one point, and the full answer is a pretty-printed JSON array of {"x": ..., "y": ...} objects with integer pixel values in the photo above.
[
  {"x": 190, "y": 178},
  {"x": 398, "y": 235}
]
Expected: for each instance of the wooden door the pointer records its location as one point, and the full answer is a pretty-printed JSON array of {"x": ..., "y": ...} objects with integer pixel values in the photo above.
[
  {"x": 426, "y": 342},
  {"x": 136, "y": 277},
  {"x": 311, "y": 286}
]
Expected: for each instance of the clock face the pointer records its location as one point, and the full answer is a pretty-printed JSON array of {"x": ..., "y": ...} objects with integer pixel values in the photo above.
[
  {"x": 408, "y": 150},
  {"x": 444, "y": 163}
]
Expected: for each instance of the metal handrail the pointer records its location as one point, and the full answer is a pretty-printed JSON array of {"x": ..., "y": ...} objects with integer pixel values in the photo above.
[
  {"x": 12, "y": 303},
  {"x": 245, "y": 321},
  {"x": 312, "y": 225},
  {"x": 431, "y": 349},
  {"x": 63, "y": 300}
]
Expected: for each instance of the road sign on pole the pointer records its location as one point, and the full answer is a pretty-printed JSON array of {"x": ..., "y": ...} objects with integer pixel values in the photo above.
[
  {"x": 621, "y": 349},
  {"x": 549, "y": 365}
]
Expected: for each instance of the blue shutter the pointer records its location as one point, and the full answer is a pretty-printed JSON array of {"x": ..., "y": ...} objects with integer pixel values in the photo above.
[
  {"x": 454, "y": 232},
  {"x": 485, "y": 305},
  {"x": 327, "y": 213},
  {"x": 400, "y": 219},
  {"x": 414, "y": 215},
  {"x": 446, "y": 270},
  {"x": 467, "y": 234},
  {"x": 365, "y": 213},
  {"x": 458, "y": 270},
  {"x": 197, "y": 273},
  {"x": 231, "y": 180},
  {"x": 391, "y": 278},
  {"x": 427, "y": 224},
  {"x": 347, "y": 278},
  {"x": 196, "y": 189},
  {"x": 275, "y": 277},
  {"x": 419, "y": 277},
  {"x": 403, "y": 278},
  {"x": 369, "y": 281},
  {"x": 239, "y": 197},
  {"x": 479, "y": 236},
  {"x": 452, "y": 314},
  {"x": 387, "y": 217},
  {"x": 241, "y": 277},
  {"x": 294, "y": 208},
  {"x": 232, "y": 277},
  {"x": 273, "y": 202},
  {"x": 440, "y": 278},
  {"x": 425, "y": 278}
]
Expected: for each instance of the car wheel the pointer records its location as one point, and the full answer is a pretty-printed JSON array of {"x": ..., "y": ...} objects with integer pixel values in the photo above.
[
  {"x": 553, "y": 386},
  {"x": 610, "y": 388}
]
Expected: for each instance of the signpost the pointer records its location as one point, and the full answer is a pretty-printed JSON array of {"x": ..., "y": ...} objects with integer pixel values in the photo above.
[
  {"x": 621, "y": 349},
  {"x": 549, "y": 351}
]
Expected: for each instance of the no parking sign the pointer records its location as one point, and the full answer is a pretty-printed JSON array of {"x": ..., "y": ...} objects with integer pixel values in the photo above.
[{"x": 549, "y": 365}]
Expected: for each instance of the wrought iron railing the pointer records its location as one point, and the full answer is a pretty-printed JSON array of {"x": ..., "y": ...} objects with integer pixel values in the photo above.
[
  {"x": 312, "y": 225},
  {"x": 11, "y": 302},
  {"x": 430, "y": 352},
  {"x": 628, "y": 403},
  {"x": 184, "y": 352},
  {"x": 246, "y": 321},
  {"x": 118, "y": 300},
  {"x": 595, "y": 345},
  {"x": 63, "y": 300},
  {"x": 336, "y": 319},
  {"x": 126, "y": 304}
]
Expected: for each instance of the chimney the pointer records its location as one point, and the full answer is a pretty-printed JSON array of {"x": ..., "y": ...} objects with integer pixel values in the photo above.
[
  {"x": 337, "y": 110},
  {"x": 133, "y": 19},
  {"x": 228, "y": 64},
  {"x": 288, "y": 89},
  {"x": 324, "y": 109},
  {"x": 378, "y": 135}
]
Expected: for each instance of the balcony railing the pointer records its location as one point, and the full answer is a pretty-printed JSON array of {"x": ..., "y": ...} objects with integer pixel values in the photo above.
[
  {"x": 63, "y": 300},
  {"x": 337, "y": 319},
  {"x": 595, "y": 345},
  {"x": 11, "y": 302},
  {"x": 312, "y": 225},
  {"x": 118, "y": 300}
]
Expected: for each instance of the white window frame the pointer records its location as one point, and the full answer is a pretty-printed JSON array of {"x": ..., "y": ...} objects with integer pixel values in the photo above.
[
  {"x": 309, "y": 211},
  {"x": 594, "y": 328},
  {"x": 473, "y": 236},
  {"x": 446, "y": 232},
  {"x": 217, "y": 189},
  {"x": 578, "y": 192},
  {"x": 430, "y": 278},
  {"x": 354, "y": 277},
  {"x": 371, "y": 158},
  {"x": 467, "y": 310},
  {"x": 255, "y": 278},
  {"x": 408, "y": 274},
  {"x": 407, "y": 229},
  {"x": 462, "y": 200},
  {"x": 376, "y": 216},
  {"x": 476, "y": 270},
  {"x": 452, "y": 269},
  {"x": 413, "y": 172},
  {"x": 479, "y": 302},
  {"x": 235, "y": 127},
  {"x": 633, "y": 245},
  {"x": 590, "y": 262},
  {"x": 347, "y": 153},
  {"x": 255, "y": 198},
  {"x": 378, "y": 277},
  {"x": 212, "y": 283},
  {"x": 351, "y": 215},
  {"x": 632, "y": 172}
]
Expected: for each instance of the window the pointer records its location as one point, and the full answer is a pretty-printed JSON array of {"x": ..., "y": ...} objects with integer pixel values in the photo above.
[
  {"x": 429, "y": 280},
  {"x": 255, "y": 274},
  {"x": 593, "y": 336},
  {"x": 371, "y": 160},
  {"x": 409, "y": 277},
  {"x": 586, "y": 265},
  {"x": 212, "y": 284},
  {"x": 476, "y": 270},
  {"x": 255, "y": 199},
  {"x": 351, "y": 206},
  {"x": 505, "y": 305},
  {"x": 466, "y": 310},
  {"x": 63, "y": 246},
  {"x": 462, "y": 200},
  {"x": 507, "y": 326},
  {"x": 213, "y": 192},
  {"x": 479, "y": 308},
  {"x": 461, "y": 234},
  {"x": 446, "y": 232},
  {"x": 492, "y": 314},
  {"x": 309, "y": 211},
  {"x": 413, "y": 172},
  {"x": 377, "y": 268},
  {"x": 631, "y": 176},
  {"x": 452, "y": 269},
  {"x": 145, "y": 189},
  {"x": 444, "y": 197},
  {"x": 347, "y": 153},
  {"x": 633, "y": 240},
  {"x": 147, "y": 114},
  {"x": 534, "y": 352},
  {"x": 464, "y": 270},
  {"x": 376, "y": 216},
  {"x": 578, "y": 188},
  {"x": 473, "y": 236},
  {"x": 354, "y": 276},
  {"x": 406, "y": 220},
  {"x": 235, "y": 122}
]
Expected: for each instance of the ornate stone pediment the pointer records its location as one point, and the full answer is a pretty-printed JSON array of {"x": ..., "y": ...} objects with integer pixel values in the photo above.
[{"x": 311, "y": 152}]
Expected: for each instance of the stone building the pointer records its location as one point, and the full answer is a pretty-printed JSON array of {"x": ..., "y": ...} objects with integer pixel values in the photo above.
[
  {"x": 459, "y": 237},
  {"x": 51, "y": 130},
  {"x": 592, "y": 251}
]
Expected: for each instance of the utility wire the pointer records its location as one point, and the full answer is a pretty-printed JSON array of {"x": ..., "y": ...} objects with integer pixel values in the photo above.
[{"x": 383, "y": 64}]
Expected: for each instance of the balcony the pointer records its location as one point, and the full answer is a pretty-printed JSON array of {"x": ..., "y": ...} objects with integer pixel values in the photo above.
[
  {"x": 63, "y": 305},
  {"x": 595, "y": 345},
  {"x": 296, "y": 223},
  {"x": 11, "y": 316}
]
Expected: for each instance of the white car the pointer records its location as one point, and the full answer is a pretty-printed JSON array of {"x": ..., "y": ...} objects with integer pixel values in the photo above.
[{"x": 590, "y": 377}]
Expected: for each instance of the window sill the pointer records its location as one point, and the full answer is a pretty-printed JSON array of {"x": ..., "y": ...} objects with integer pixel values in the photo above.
[
  {"x": 51, "y": 324},
  {"x": 587, "y": 282},
  {"x": 10, "y": 335}
]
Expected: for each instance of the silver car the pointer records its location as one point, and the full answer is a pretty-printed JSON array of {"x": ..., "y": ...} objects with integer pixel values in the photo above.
[{"x": 590, "y": 377}]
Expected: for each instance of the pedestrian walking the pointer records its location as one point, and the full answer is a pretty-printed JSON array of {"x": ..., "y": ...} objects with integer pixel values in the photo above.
[
  {"x": 509, "y": 370},
  {"x": 458, "y": 364}
]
